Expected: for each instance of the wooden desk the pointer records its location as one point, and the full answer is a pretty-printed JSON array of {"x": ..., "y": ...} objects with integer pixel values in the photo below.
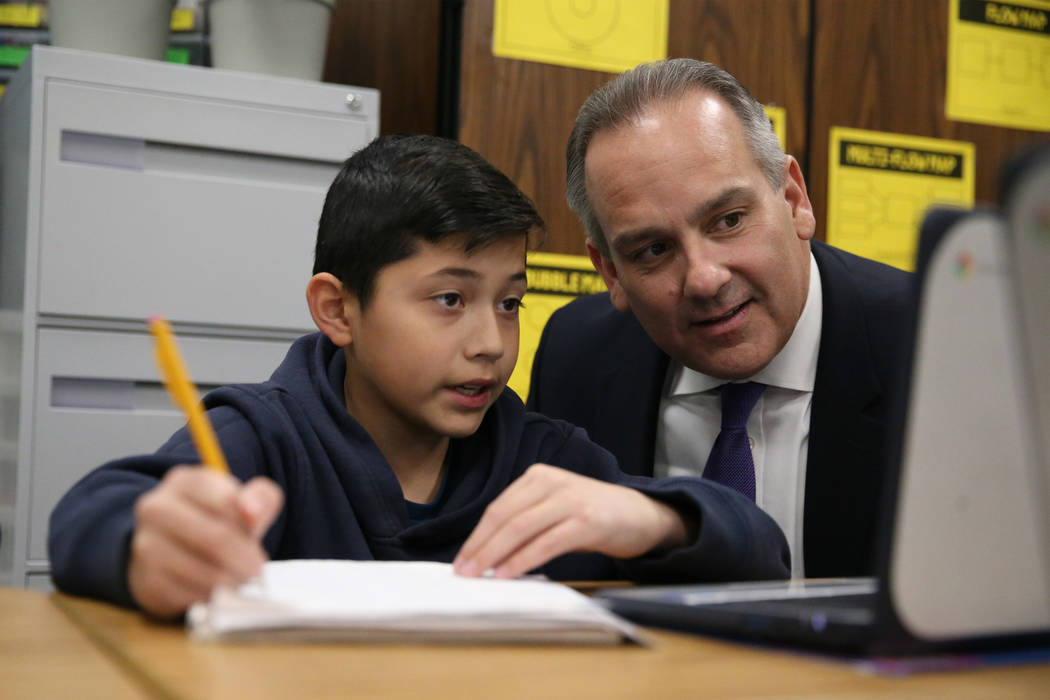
[
  {"x": 44, "y": 652},
  {"x": 44, "y": 655}
]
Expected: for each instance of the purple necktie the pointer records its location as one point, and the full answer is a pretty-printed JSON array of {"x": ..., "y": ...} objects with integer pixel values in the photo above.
[{"x": 730, "y": 462}]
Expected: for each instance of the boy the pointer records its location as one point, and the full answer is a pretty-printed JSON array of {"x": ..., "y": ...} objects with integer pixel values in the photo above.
[{"x": 389, "y": 435}]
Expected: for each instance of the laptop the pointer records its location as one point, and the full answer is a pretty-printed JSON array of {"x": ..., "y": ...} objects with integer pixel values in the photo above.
[{"x": 964, "y": 539}]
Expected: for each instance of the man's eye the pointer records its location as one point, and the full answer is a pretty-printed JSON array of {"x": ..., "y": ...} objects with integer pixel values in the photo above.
[
  {"x": 732, "y": 220},
  {"x": 653, "y": 250},
  {"x": 449, "y": 300}
]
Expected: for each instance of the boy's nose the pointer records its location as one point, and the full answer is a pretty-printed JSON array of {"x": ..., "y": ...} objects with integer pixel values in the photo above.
[{"x": 486, "y": 340}]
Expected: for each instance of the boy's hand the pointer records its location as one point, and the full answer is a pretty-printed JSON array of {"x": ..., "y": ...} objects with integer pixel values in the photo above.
[
  {"x": 550, "y": 511},
  {"x": 197, "y": 529}
]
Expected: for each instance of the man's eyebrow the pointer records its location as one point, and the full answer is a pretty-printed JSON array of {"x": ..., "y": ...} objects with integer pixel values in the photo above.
[
  {"x": 629, "y": 240},
  {"x": 720, "y": 201},
  {"x": 626, "y": 242}
]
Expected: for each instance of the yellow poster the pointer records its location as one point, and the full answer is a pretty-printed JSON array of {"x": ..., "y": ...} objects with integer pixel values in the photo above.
[
  {"x": 554, "y": 281},
  {"x": 778, "y": 120},
  {"x": 999, "y": 63},
  {"x": 606, "y": 35},
  {"x": 880, "y": 185}
]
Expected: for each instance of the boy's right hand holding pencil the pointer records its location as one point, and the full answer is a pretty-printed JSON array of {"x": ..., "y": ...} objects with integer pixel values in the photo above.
[{"x": 196, "y": 530}]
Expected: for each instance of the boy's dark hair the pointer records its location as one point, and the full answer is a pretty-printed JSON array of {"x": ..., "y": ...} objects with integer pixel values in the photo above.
[{"x": 401, "y": 188}]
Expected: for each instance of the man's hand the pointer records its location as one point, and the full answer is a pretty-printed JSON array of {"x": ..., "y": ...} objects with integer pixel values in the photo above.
[
  {"x": 550, "y": 511},
  {"x": 197, "y": 529}
]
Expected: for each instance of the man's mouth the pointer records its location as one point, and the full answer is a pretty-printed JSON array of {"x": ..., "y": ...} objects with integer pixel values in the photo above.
[
  {"x": 724, "y": 317},
  {"x": 470, "y": 389}
]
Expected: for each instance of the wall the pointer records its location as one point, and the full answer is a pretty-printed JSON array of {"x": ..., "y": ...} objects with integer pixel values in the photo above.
[
  {"x": 878, "y": 66},
  {"x": 519, "y": 114},
  {"x": 392, "y": 45}
]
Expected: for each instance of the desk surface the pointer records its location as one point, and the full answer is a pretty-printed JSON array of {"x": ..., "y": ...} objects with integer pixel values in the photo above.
[
  {"x": 44, "y": 655},
  {"x": 109, "y": 652}
]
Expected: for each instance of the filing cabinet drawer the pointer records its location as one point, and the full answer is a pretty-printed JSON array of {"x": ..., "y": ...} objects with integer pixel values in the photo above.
[
  {"x": 204, "y": 210},
  {"x": 99, "y": 397},
  {"x": 40, "y": 582}
]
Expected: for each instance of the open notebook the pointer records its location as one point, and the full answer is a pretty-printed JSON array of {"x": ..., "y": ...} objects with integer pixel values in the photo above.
[{"x": 390, "y": 601}]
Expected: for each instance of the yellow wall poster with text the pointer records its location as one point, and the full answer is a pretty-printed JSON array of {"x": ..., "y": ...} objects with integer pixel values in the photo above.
[
  {"x": 554, "y": 281},
  {"x": 999, "y": 63},
  {"x": 880, "y": 185},
  {"x": 605, "y": 35}
]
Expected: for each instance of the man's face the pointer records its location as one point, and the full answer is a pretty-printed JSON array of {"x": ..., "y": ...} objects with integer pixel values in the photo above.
[
  {"x": 711, "y": 260},
  {"x": 438, "y": 339}
]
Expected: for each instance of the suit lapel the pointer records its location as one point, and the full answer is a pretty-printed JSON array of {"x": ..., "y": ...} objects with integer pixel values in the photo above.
[
  {"x": 842, "y": 494},
  {"x": 632, "y": 376}
]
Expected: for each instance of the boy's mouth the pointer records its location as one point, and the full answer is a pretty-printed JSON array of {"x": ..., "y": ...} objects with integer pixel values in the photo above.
[{"x": 473, "y": 395}]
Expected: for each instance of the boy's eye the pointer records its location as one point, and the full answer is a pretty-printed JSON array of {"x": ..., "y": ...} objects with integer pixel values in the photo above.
[
  {"x": 511, "y": 305},
  {"x": 450, "y": 300}
]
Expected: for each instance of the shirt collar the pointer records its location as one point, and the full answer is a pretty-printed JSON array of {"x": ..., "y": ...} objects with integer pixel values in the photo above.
[{"x": 794, "y": 367}]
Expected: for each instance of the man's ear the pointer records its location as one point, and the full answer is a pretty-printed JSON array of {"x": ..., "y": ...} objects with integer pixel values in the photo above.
[
  {"x": 331, "y": 307},
  {"x": 607, "y": 270},
  {"x": 798, "y": 200}
]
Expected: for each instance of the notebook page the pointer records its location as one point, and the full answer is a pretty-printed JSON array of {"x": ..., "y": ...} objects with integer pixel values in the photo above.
[{"x": 405, "y": 597}]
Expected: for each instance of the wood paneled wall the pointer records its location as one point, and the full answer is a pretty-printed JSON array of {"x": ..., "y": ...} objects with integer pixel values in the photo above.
[
  {"x": 519, "y": 114},
  {"x": 392, "y": 45},
  {"x": 870, "y": 65},
  {"x": 882, "y": 66}
]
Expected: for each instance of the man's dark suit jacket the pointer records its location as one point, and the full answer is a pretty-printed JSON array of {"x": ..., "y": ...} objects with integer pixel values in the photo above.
[{"x": 597, "y": 368}]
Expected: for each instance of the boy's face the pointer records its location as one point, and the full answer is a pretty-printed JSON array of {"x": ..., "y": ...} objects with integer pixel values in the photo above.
[{"x": 438, "y": 340}]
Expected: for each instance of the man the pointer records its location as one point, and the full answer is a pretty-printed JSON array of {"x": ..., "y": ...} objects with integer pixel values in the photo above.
[{"x": 704, "y": 233}]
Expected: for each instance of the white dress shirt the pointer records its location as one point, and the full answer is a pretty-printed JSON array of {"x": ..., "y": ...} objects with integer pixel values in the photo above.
[{"x": 778, "y": 428}]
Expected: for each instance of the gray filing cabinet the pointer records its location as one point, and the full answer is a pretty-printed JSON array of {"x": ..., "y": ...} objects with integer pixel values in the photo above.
[{"x": 131, "y": 188}]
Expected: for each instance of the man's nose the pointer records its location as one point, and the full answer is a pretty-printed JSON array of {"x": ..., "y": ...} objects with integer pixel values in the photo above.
[{"x": 705, "y": 272}]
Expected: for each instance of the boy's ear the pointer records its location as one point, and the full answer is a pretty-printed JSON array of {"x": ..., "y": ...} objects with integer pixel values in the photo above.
[{"x": 330, "y": 305}]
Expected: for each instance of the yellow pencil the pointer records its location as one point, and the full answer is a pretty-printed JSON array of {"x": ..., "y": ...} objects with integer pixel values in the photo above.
[{"x": 184, "y": 394}]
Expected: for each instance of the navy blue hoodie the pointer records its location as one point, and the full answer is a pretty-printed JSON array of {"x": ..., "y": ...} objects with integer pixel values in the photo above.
[{"x": 343, "y": 501}]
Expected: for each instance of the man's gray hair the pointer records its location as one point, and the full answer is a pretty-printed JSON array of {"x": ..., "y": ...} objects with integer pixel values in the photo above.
[{"x": 625, "y": 98}]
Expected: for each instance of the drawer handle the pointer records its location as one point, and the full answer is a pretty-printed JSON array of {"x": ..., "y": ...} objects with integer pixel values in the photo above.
[
  {"x": 185, "y": 160},
  {"x": 101, "y": 149},
  {"x": 112, "y": 394}
]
